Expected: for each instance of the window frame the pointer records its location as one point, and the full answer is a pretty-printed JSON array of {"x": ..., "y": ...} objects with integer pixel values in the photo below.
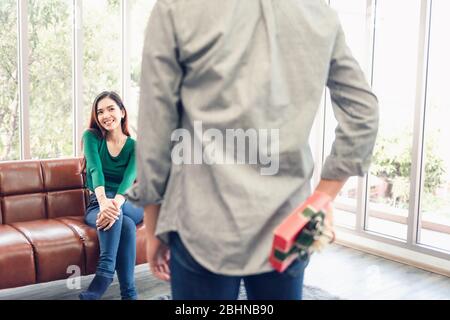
[{"x": 417, "y": 169}]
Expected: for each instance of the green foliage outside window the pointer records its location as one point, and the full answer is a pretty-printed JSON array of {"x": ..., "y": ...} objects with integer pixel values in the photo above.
[
  {"x": 392, "y": 163},
  {"x": 50, "y": 65},
  {"x": 9, "y": 91}
]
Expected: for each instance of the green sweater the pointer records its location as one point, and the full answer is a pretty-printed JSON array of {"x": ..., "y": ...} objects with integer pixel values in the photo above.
[{"x": 116, "y": 174}]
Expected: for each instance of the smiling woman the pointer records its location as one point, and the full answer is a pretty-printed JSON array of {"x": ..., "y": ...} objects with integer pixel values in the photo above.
[
  {"x": 106, "y": 139},
  {"x": 110, "y": 170}
]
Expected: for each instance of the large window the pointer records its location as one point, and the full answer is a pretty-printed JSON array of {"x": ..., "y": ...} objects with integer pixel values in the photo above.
[
  {"x": 435, "y": 199},
  {"x": 55, "y": 38},
  {"x": 394, "y": 82},
  {"x": 102, "y": 56},
  {"x": 140, "y": 12},
  {"x": 353, "y": 17},
  {"x": 9, "y": 82},
  {"x": 50, "y": 69},
  {"x": 389, "y": 39}
]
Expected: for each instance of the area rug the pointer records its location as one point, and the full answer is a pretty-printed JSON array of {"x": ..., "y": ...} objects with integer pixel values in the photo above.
[
  {"x": 145, "y": 281},
  {"x": 309, "y": 293},
  {"x": 148, "y": 287}
]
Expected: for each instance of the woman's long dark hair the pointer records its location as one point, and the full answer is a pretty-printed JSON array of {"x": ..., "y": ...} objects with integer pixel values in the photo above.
[{"x": 94, "y": 124}]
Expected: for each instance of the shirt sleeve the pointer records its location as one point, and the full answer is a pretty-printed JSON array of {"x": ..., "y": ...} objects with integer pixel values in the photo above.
[
  {"x": 93, "y": 162},
  {"x": 161, "y": 76},
  {"x": 129, "y": 175},
  {"x": 356, "y": 110}
]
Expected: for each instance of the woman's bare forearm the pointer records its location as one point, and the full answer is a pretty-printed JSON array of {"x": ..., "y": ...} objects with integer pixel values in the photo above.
[
  {"x": 120, "y": 199},
  {"x": 100, "y": 194}
]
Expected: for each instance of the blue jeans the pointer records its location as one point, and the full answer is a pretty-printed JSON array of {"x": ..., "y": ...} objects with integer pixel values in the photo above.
[
  {"x": 118, "y": 244},
  {"x": 191, "y": 281}
]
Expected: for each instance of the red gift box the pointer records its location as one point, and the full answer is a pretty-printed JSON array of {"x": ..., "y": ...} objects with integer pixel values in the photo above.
[{"x": 287, "y": 232}]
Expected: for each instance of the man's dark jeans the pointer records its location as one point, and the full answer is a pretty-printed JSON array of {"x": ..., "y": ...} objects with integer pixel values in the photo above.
[{"x": 191, "y": 281}]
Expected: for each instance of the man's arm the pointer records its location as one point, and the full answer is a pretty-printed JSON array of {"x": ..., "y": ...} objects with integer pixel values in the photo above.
[
  {"x": 161, "y": 78},
  {"x": 151, "y": 213},
  {"x": 331, "y": 187},
  {"x": 356, "y": 110},
  {"x": 157, "y": 252}
]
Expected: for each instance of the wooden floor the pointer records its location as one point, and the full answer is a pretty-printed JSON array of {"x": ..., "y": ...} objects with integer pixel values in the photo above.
[
  {"x": 338, "y": 272},
  {"x": 352, "y": 274}
]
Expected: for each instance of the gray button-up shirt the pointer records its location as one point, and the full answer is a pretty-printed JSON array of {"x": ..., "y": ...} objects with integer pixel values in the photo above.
[{"x": 251, "y": 65}]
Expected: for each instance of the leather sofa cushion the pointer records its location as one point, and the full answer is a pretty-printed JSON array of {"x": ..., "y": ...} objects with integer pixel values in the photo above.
[
  {"x": 89, "y": 238},
  {"x": 141, "y": 254},
  {"x": 86, "y": 197},
  {"x": 17, "y": 266},
  {"x": 56, "y": 247},
  {"x": 62, "y": 174},
  {"x": 24, "y": 207},
  {"x": 20, "y": 177},
  {"x": 66, "y": 203}
]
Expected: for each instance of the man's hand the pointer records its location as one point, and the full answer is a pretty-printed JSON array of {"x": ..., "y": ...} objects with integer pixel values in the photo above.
[
  {"x": 157, "y": 253},
  {"x": 158, "y": 256},
  {"x": 328, "y": 235},
  {"x": 331, "y": 188}
]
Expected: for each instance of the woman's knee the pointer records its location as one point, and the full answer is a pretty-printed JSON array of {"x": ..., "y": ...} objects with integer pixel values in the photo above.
[
  {"x": 128, "y": 226},
  {"x": 136, "y": 214}
]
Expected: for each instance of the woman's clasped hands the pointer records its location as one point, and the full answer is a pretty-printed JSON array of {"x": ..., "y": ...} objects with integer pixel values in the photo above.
[{"x": 108, "y": 215}]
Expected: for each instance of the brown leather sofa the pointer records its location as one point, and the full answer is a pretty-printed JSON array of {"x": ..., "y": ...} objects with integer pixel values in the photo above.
[{"x": 42, "y": 232}]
